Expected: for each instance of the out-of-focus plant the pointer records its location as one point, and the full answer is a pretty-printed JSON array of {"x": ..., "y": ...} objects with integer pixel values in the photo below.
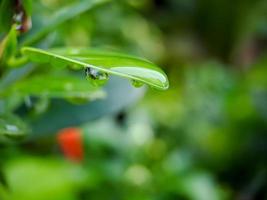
[{"x": 204, "y": 138}]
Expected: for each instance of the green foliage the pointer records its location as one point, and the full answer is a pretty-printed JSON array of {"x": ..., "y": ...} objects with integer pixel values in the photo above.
[
  {"x": 56, "y": 85},
  {"x": 6, "y": 14},
  {"x": 27, "y": 5},
  {"x": 61, "y": 82},
  {"x": 8, "y": 46},
  {"x": 112, "y": 63},
  {"x": 56, "y": 179},
  {"x": 203, "y": 138}
]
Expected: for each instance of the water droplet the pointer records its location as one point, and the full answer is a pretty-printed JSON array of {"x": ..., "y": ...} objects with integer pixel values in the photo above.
[
  {"x": 137, "y": 84},
  {"x": 95, "y": 76}
]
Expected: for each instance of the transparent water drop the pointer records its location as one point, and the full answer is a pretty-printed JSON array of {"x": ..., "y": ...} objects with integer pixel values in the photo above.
[
  {"x": 95, "y": 76},
  {"x": 137, "y": 84}
]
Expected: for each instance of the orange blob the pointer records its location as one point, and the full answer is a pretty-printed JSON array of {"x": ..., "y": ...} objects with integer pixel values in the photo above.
[{"x": 70, "y": 142}]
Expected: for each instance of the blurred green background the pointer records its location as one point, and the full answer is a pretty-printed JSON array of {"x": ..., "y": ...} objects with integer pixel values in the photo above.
[{"x": 205, "y": 138}]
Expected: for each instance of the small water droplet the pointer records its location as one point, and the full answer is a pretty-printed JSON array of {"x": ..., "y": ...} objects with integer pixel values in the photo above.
[
  {"x": 137, "y": 84},
  {"x": 95, "y": 76}
]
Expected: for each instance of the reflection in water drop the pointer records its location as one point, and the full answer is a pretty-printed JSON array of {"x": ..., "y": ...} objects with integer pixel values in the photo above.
[
  {"x": 95, "y": 76},
  {"x": 137, "y": 84}
]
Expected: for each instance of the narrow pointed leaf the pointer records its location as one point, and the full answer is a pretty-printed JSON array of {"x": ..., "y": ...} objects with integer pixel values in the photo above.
[
  {"x": 8, "y": 45},
  {"x": 130, "y": 67}
]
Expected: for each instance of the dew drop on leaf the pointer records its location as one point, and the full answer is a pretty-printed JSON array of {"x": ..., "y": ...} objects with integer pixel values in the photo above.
[
  {"x": 95, "y": 76},
  {"x": 137, "y": 84}
]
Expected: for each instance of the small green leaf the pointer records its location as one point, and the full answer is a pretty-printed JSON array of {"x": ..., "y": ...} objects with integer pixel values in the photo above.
[
  {"x": 130, "y": 67},
  {"x": 12, "y": 127},
  {"x": 8, "y": 45},
  {"x": 56, "y": 85}
]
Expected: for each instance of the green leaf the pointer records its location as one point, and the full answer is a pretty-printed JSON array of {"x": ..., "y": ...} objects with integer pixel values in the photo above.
[
  {"x": 57, "y": 115},
  {"x": 6, "y": 14},
  {"x": 55, "y": 85},
  {"x": 62, "y": 16},
  {"x": 8, "y": 45},
  {"x": 27, "y": 5},
  {"x": 136, "y": 69},
  {"x": 12, "y": 127}
]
